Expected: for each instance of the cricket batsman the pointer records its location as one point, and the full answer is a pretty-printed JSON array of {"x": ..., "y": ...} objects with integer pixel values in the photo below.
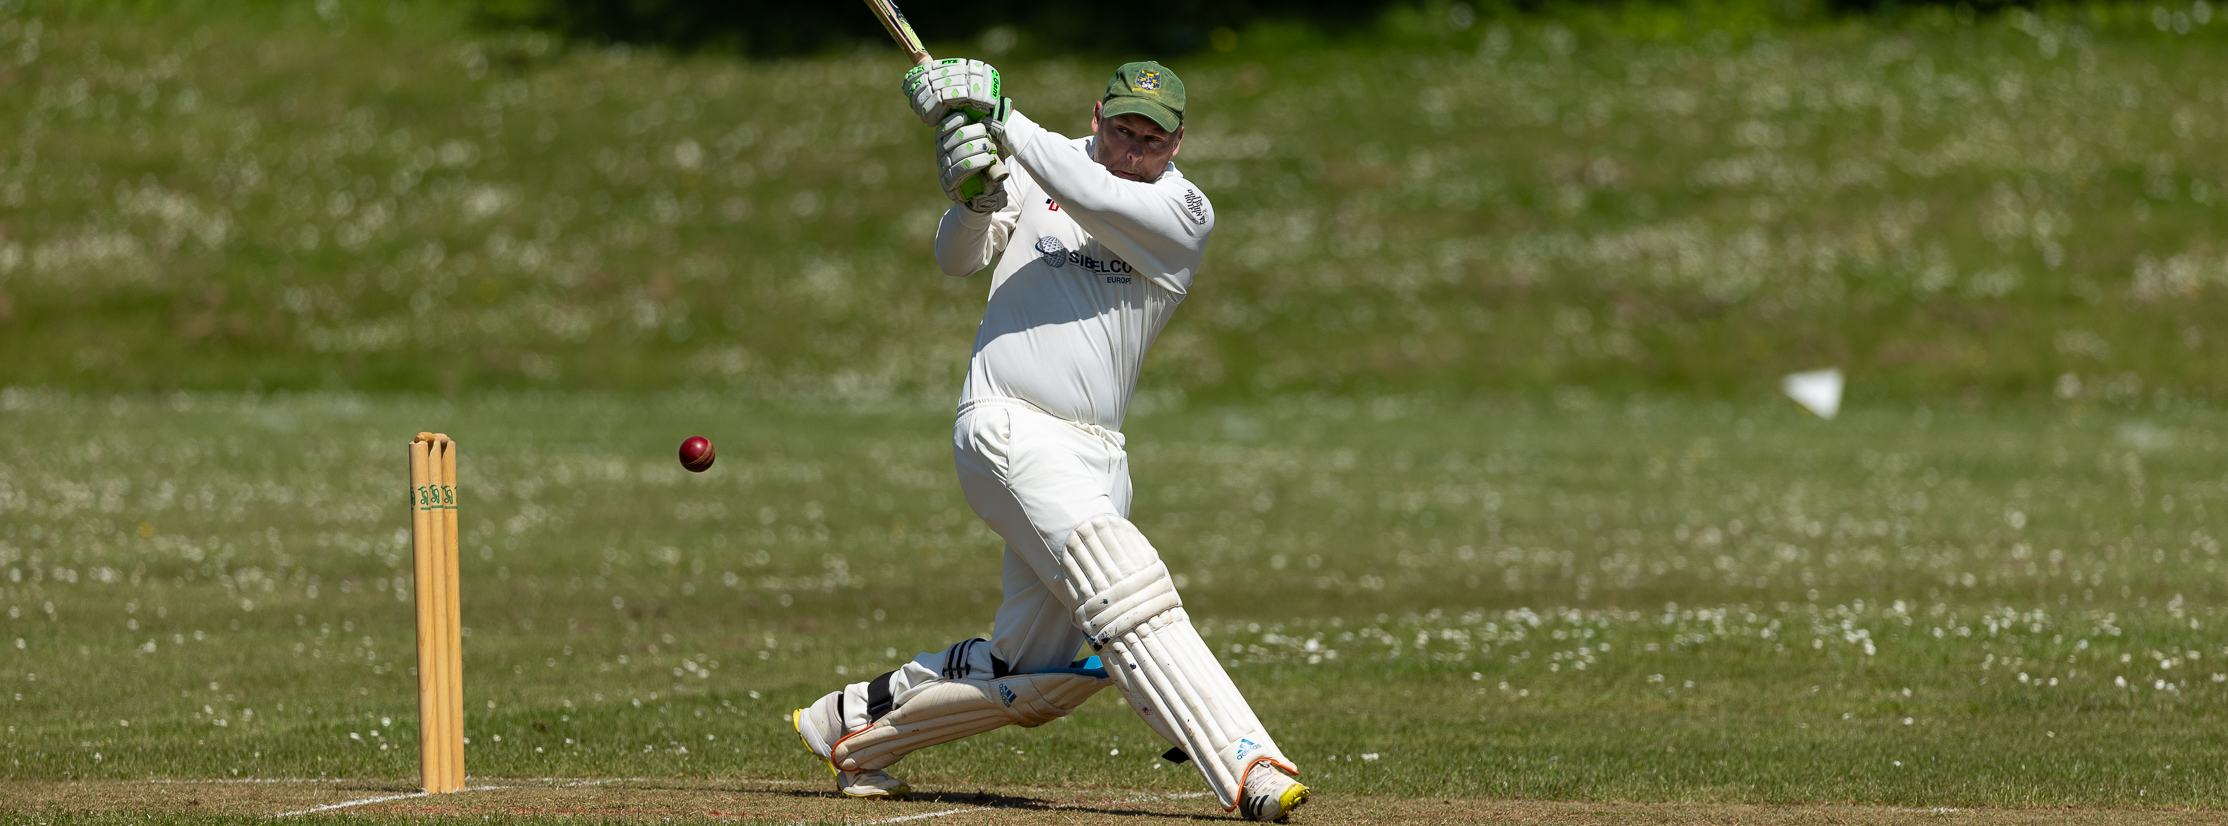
[{"x": 1095, "y": 241}]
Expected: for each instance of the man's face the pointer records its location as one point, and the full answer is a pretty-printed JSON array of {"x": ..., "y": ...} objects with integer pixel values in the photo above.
[{"x": 1133, "y": 147}]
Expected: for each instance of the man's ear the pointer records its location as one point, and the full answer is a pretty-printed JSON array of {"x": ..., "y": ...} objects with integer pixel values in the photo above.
[
  {"x": 1178, "y": 143},
  {"x": 1096, "y": 108}
]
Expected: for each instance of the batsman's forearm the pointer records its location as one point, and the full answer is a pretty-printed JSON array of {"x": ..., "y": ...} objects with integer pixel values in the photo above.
[{"x": 966, "y": 241}]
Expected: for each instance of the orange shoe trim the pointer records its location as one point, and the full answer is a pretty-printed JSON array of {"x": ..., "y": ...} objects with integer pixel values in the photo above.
[{"x": 1241, "y": 795}]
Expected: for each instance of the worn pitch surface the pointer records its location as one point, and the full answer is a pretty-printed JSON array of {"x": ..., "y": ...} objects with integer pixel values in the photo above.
[{"x": 785, "y": 801}]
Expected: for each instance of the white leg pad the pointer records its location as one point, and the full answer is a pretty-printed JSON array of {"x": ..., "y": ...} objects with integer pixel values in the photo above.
[
  {"x": 946, "y": 710},
  {"x": 1127, "y": 604}
]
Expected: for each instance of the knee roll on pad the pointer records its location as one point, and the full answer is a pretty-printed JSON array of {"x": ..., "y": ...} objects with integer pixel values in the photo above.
[
  {"x": 1127, "y": 603},
  {"x": 947, "y": 710},
  {"x": 1116, "y": 580}
]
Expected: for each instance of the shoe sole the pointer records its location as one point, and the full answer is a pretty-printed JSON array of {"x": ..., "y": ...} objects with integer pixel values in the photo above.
[
  {"x": 1293, "y": 798},
  {"x": 902, "y": 792}
]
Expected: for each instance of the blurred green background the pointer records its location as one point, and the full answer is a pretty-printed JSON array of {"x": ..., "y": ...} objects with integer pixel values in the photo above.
[
  {"x": 1450, "y": 201},
  {"x": 1476, "y": 387}
]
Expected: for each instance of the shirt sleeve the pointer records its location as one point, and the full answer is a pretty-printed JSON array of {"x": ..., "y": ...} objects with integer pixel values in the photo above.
[
  {"x": 1159, "y": 228},
  {"x": 967, "y": 241}
]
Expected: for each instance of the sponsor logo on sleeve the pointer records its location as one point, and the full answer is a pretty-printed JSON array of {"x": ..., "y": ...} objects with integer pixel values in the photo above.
[
  {"x": 1055, "y": 253},
  {"x": 1195, "y": 204}
]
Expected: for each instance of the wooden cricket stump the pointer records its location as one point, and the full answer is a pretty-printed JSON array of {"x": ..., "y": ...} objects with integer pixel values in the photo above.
[{"x": 433, "y": 536}]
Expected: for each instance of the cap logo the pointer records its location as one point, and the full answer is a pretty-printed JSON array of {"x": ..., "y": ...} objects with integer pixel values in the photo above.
[{"x": 1148, "y": 81}]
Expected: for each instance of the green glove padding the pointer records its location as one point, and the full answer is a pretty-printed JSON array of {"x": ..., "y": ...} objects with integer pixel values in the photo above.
[
  {"x": 967, "y": 158},
  {"x": 953, "y": 84}
]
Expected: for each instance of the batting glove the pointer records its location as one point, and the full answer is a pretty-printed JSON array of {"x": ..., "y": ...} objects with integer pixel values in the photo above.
[
  {"x": 953, "y": 84},
  {"x": 972, "y": 175}
]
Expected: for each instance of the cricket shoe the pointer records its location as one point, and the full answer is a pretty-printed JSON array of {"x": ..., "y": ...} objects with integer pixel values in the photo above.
[
  {"x": 1268, "y": 794},
  {"x": 813, "y": 727}
]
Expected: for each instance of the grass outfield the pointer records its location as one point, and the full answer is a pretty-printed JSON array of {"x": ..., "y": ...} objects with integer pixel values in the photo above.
[
  {"x": 2007, "y": 607},
  {"x": 246, "y": 250},
  {"x": 225, "y": 196}
]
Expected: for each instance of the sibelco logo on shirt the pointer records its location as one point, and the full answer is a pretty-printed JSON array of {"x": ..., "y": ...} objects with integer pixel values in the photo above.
[
  {"x": 1196, "y": 205},
  {"x": 1055, "y": 253}
]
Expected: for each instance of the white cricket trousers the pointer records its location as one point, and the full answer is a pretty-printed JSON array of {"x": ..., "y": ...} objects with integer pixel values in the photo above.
[{"x": 1033, "y": 477}]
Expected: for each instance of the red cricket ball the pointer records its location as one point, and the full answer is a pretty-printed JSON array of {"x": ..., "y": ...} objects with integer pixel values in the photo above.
[{"x": 696, "y": 454}]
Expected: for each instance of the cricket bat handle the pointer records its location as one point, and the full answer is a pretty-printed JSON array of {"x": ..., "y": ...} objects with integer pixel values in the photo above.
[{"x": 900, "y": 30}]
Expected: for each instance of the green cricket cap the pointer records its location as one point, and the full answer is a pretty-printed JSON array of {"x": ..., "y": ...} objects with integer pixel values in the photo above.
[{"x": 1146, "y": 88}]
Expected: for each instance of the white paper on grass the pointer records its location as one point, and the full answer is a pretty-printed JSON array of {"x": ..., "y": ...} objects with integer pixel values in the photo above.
[{"x": 1818, "y": 391}]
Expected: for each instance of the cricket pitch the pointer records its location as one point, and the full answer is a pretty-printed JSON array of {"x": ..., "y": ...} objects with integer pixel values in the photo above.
[{"x": 784, "y": 801}]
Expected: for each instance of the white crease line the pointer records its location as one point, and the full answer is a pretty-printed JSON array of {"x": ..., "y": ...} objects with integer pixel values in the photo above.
[
  {"x": 928, "y": 815},
  {"x": 365, "y": 801},
  {"x": 368, "y": 801},
  {"x": 554, "y": 782}
]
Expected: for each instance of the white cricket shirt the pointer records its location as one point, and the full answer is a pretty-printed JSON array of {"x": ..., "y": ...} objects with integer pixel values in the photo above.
[{"x": 1090, "y": 268}]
